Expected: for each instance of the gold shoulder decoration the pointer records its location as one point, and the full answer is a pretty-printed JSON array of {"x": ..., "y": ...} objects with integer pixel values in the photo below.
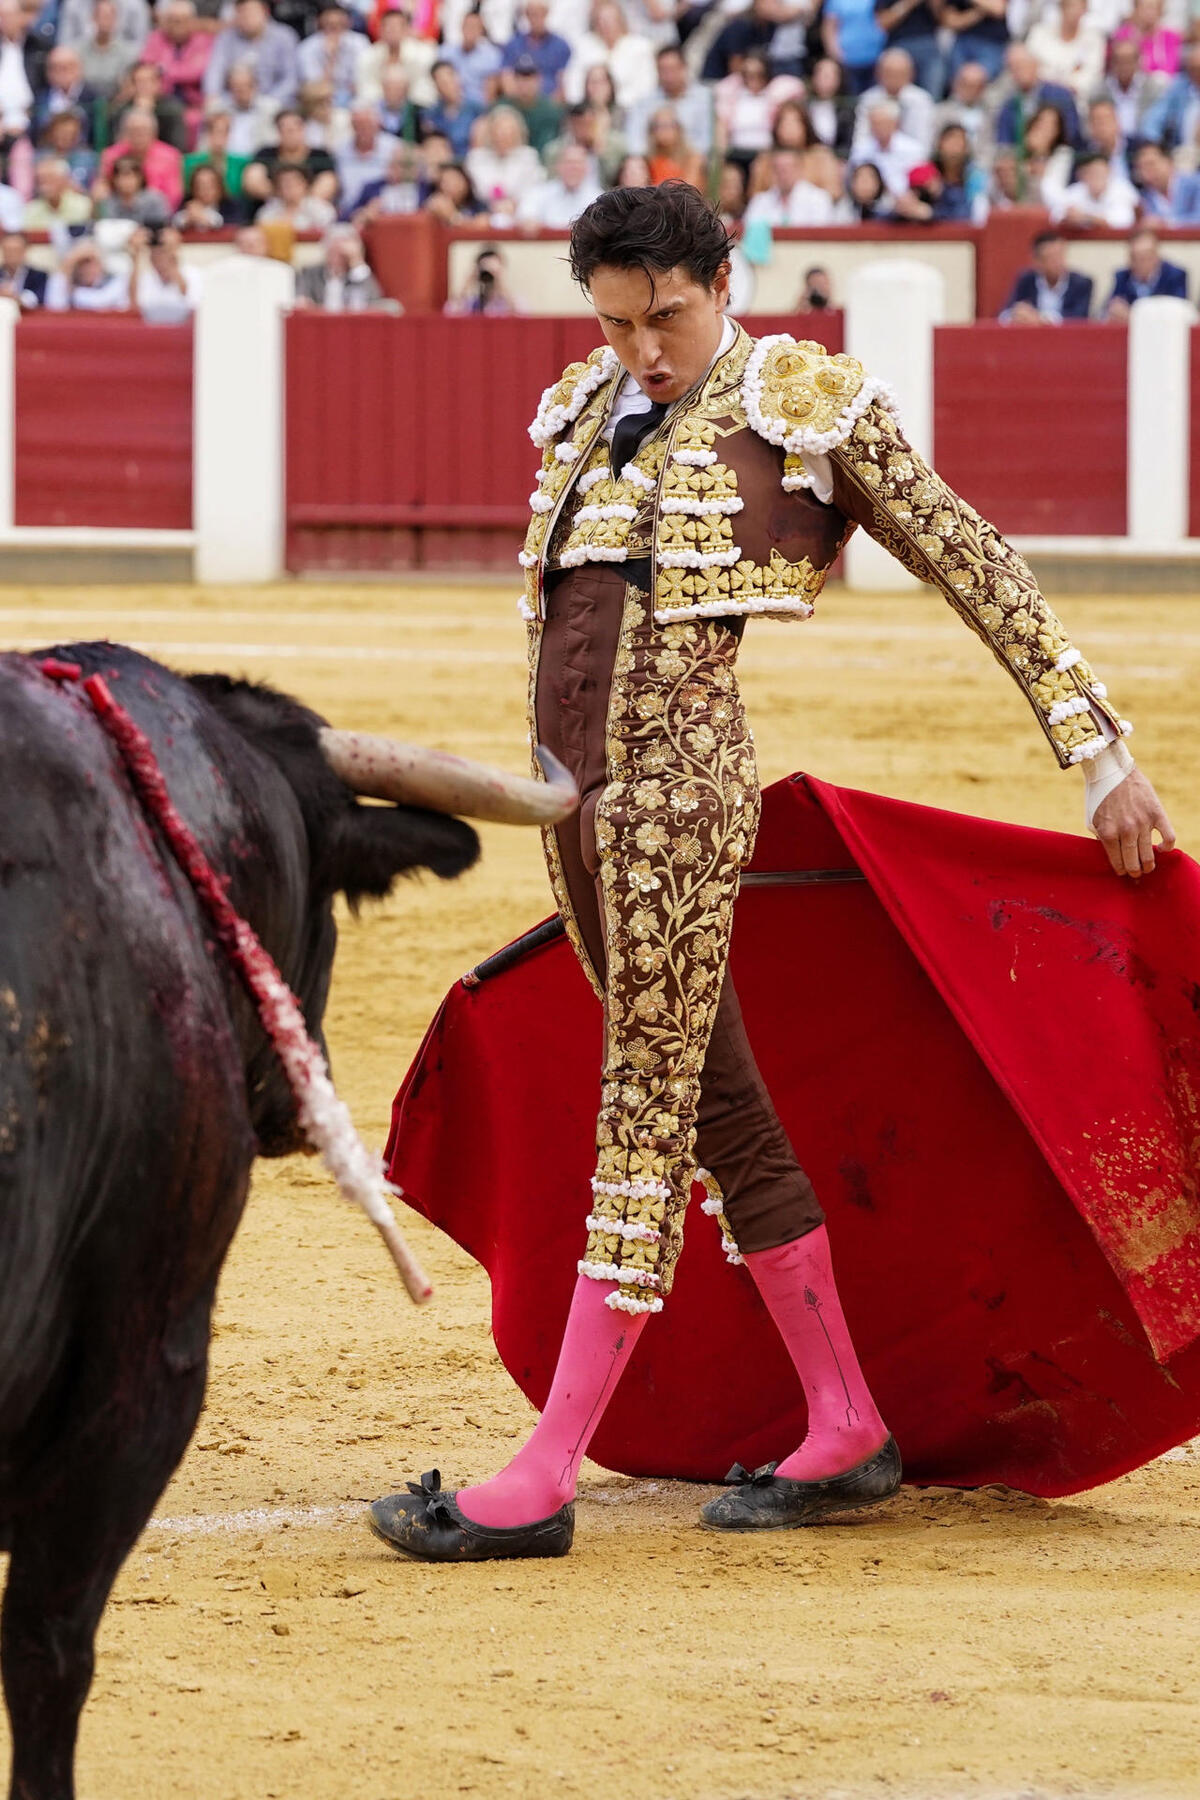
[
  {"x": 565, "y": 399},
  {"x": 800, "y": 397},
  {"x": 883, "y": 485}
]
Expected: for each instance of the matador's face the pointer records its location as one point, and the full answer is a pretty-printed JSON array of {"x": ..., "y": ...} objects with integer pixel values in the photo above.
[{"x": 666, "y": 332}]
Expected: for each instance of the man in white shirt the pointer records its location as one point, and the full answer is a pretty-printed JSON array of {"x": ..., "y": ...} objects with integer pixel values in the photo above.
[
  {"x": 555, "y": 205},
  {"x": 966, "y": 105},
  {"x": 894, "y": 81},
  {"x": 790, "y": 200},
  {"x": 365, "y": 157},
  {"x": 334, "y": 53},
  {"x": 16, "y": 95},
  {"x": 894, "y": 154},
  {"x": 1096, "y": 197},
  {"x": 678, "y": 88}
]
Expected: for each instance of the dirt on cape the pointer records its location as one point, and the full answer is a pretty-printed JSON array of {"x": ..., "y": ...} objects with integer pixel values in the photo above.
[{"x": 261, "y": 1644}]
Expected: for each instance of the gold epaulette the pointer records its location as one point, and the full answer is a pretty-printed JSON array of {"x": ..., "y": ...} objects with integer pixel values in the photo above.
[{"x": 801, "y": 397}]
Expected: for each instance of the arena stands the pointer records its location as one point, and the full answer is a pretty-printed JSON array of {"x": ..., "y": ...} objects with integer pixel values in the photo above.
[{"x": 125, "y": 129}]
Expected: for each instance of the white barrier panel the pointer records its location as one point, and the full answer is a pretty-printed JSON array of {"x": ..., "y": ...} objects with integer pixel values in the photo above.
[
  {"x": 10, "y": 312},
  {"x": 1158, "y": 462},
  {"x": 891, "y": 311},
  {"x": 238, "y": 420}
]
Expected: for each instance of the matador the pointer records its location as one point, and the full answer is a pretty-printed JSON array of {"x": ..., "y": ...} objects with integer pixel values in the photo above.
[{"x": 690, "y": 478}]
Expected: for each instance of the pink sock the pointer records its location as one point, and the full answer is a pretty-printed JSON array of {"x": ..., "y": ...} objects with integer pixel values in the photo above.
[
  {"x": 797, "y": 1287},
  {"x": 541, "y": 1476}
]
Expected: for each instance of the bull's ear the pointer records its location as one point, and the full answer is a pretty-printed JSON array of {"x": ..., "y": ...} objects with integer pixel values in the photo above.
[{"x": 375, "y": 844}]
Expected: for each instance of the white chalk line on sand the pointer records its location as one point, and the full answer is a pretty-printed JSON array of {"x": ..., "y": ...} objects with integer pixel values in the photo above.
[{"x": 256, "y": 1518}]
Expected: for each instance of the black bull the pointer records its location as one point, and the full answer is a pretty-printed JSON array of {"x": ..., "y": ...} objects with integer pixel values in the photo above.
[{"x": 136, "y": 1087}]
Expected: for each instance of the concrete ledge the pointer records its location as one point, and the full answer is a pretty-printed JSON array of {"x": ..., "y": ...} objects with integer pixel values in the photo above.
[
  {"x": 78, "y": 553},
  {"x": 1112, "y": 565}
]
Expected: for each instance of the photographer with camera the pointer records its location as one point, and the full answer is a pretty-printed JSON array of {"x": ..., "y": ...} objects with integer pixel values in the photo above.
[{"x": 486, "y": 291}]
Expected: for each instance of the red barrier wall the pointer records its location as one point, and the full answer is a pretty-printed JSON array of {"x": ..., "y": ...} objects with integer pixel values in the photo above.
[
  {"x": 1029, "y": 425},
  {"x": 104, "y": 422},
  {"x": 1194, "y": 446},
  {"x": 407, "y": 440}
]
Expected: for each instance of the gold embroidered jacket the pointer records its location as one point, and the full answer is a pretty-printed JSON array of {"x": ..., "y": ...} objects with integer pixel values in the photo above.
[{"x": 721, "y": 500}]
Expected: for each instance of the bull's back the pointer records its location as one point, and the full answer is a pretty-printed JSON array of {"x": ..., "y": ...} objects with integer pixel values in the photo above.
[{"x": 124, "y": 1136}]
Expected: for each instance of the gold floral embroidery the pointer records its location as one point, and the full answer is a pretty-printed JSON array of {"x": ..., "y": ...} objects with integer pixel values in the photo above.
[
  {"x": 673, "y": 828},
  {"x": 942, "y": 540}
]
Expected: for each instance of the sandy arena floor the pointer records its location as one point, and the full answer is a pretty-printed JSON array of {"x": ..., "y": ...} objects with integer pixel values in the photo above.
[{"x": 261, "y": 1644}]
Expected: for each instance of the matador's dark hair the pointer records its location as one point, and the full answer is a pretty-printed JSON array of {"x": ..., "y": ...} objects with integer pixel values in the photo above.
[{"x": 653, "y": 229}]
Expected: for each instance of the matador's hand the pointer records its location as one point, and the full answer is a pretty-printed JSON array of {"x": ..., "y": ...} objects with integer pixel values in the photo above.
[{"x": 1125, "y": 822}]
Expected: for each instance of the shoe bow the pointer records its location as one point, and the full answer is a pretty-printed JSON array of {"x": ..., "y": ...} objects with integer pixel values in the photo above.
[
  {"x": 739, "y": 1477},
  {"x": 429, "y": 1489}
]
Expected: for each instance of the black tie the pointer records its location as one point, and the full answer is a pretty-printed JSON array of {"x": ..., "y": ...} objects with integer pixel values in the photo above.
[{"x": 632, "y": 431}]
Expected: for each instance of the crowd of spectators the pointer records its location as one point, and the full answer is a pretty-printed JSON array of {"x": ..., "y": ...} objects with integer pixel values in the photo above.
[{"x": 121, "y": 128}]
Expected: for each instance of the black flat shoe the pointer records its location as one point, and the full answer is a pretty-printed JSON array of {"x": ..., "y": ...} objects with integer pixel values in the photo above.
[
  {"x": 428, "y": 1523},
  {"x": 765, "y": 1501}
]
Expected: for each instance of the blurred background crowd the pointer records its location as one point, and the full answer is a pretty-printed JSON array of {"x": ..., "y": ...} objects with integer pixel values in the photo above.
[{"x": 125, "y": 130}]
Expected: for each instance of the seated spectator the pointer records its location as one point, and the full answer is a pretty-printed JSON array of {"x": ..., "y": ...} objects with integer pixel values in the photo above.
[
  {"x": 966, "y": 105},
  {"x": 555, "y": 205},
  {"x": 827, "y": 171},
  {"x": 751, "y": 27},
  {"x": 398, "y": 191},
  {"x": 746, "y": 105},
  {"x": 251, "y": 114},
  {"x": 291, "y": 146},
  {"x": 179, "y": 49},
  {"x": 1131, "y": 91},
  {"x": 397, "y": 115},
  {"x": 160, "y": 163},
  {"x": 947, "y": 191},
  {"x": 63, "y": 135},
  {"x": 852, "y": 38},
  {"x": 523, "y": 92},
  {"x": 253, "y": 40},
  {"x": 452, "y": 198},
  {"x": 668, "y": 152},
  {"x": 732, "y": 198},
  {"x": 792, "y": 129},
  {"x": 17, "y": 58},
  {"x": 105, "y": 57},
  {"x": 627, "y": 55},
  {"x": 434, "y": 155},
  {"x": 365, "y": 158},
  {"x": 486, "y": 290},
  {"x": 633, "y": 172},
  {"x": 868, "y": 196},
  {"x": 206, "y": 205},
  {"x": 1096, "y": 196},
  {"x": 251, "y": 240},
  {"x": 886, "y": 147},
  {"x": 1046, "y": 160},
  {"x": 1069, "y": 50},
  {"x": 831, "y": 110},
  {"x": 341, "y": 281},
  {"x": 398, "y": 46},
  {"x": 1167, "y": 193},
  {"x": 125, "y": 195},
  {"x": 1158, "y": 47},
  {"x": 12, "y": 205},
  {"x": 478, "y": 61},
  {"x": 503, "y": 167},
  {"x": 1049, "y": 293},
  {"x": 1103, "y": 134},
  {"x": 132, "y": 22},
  {"x": 161, "y": 287},
  {"x": 1146, "y": 276},
  {"x": 1172, "y": 118},
  {"x": 334, "y": 53},
  {"x": 143, "y": 86},
  {"x": 608, "y": 139},
  {"x": 980, "y": 30},
  {"x": 894, "y": 81},
  {"x": 81, "y": 283},
  {"x": 817, "y": 292},
  {"x": 453, "y": 115},
  {"x": 913, "y": 26},
  {"x": 537, "y": 44},
  {"x": 65, "y": 91},
  {"x": 212, "y": 151},
  {"x": 1007, "y": 184},
  {"x": 293, "y": 202},
  {"x": 326, "y": 126},
  {"x": 56, "y": 204},
  {"x": 790, "y": 199},
  {"x": 1025, "y": 93},
  {"x": 677, "y": 88},
  {"x": 17, "y": 280}
]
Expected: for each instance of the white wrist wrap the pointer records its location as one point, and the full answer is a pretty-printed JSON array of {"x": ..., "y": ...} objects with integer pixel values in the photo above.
[{"x": 1103, "y": 773}]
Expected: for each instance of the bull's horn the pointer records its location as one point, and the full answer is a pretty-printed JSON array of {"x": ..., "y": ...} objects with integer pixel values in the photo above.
[{"x": 383, "y": 769}]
